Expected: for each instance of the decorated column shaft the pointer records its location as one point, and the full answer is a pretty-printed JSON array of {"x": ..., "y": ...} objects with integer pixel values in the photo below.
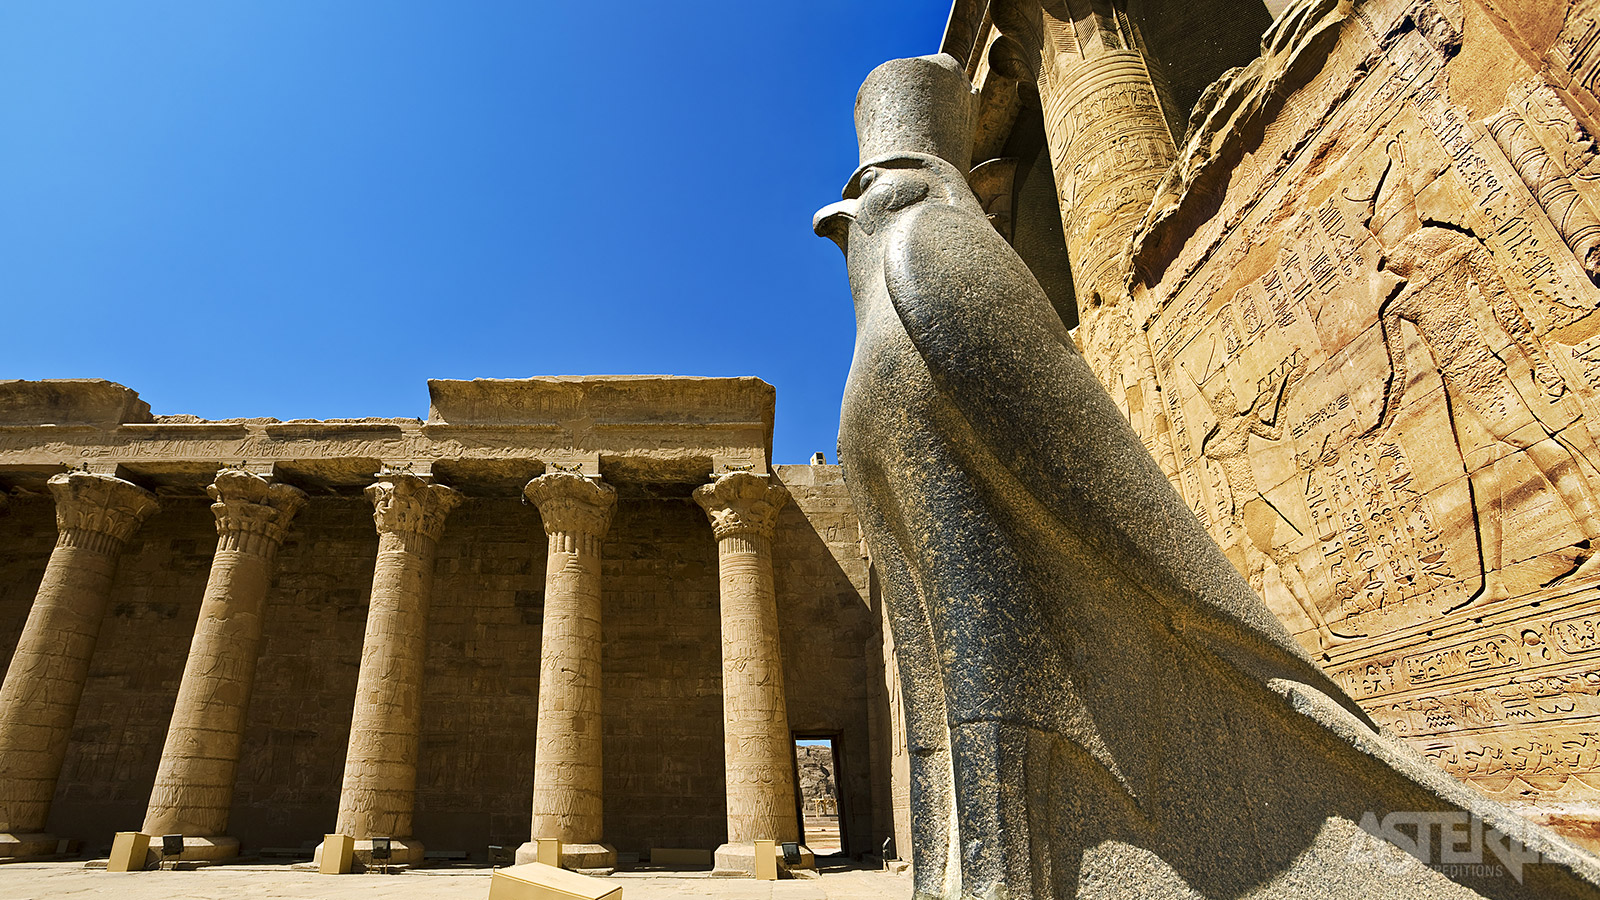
[
  {"x": 1110, "y": 143},
  {"x": 567, "y": 772},
  {"x": 758, "y": 748},
  {"x": 194, "y": 782},
  {"x": 380, "y": 767},
  {"x": 95, "y": 516}
]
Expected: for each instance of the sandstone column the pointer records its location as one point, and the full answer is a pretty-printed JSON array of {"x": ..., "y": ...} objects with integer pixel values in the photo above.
[
  {"x": 194, "y": 782},
  {"x": 1107, "y": 131},
  {"x": 567, "y": 770},
  {"x": 95, "y": 516},
  {"x": 758, "y": 748},
  {"x": 380, "y": 767},
  {"x": 1110, "y": 143}
]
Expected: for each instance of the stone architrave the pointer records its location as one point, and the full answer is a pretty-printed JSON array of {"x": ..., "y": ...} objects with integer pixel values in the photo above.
[
  {"x": 567, "y": 772},
  {"x": 193, "y": 790},
  {"x": 380, "y": 767},
  {"x": 95, "y": 516},
  {"x": 759, "y": 750}
]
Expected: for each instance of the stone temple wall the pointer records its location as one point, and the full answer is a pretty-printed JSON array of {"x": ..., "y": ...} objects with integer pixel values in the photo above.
[
  {"x": 1355, "y": 321},
  {"x": 663, "y": 678}
]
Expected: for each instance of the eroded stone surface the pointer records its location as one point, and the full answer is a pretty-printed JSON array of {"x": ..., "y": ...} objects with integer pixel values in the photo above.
[
  {"x": 491, "y": 434},
  {"x": 70, "y": 401}
]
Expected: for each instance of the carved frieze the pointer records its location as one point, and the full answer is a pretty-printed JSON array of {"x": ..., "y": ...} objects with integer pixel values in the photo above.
[{"x": 1367, "y": 296}]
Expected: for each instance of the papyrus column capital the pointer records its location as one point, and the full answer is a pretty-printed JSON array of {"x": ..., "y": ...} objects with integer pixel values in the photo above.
[
  {"x": 569, "y": 502},
  {"x": 405, "y": 505},
  {"x": 741, "y": 504},
  {"x": 253, "y": 514},
  {"x": 102, "y": 508}
]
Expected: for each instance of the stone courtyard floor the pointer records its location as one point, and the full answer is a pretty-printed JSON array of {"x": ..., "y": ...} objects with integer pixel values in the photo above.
[{"x": 54, "y": 880}]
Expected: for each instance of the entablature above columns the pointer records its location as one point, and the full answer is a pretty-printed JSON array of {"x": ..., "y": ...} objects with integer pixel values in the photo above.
[{"x": 485, "y": 437}]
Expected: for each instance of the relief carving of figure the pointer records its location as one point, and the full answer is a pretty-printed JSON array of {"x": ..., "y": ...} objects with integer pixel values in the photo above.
[
  {"x": 1254, "y": 516},
  {"x": 1446, "y": 278}
]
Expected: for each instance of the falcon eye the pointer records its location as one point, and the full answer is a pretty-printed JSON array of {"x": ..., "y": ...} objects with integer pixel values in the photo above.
[{"x": 867, "y": 178}]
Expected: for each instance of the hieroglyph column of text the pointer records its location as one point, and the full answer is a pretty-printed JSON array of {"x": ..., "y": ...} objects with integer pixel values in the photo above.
[
  {"x": 567, "y": 771},
  {"x": 194, "y": 781},
  {"x": 95, "y": 516}
]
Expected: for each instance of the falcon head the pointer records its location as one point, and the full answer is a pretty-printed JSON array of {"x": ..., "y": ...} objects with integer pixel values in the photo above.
[{"x": 884, "y": 189}]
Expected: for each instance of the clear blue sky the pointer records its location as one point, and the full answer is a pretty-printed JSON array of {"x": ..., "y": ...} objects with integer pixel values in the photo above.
[{"x": 306, "y": 209}]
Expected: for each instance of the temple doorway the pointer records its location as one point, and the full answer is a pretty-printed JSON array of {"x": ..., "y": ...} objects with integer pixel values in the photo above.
[{"x": 818, "y": 794}]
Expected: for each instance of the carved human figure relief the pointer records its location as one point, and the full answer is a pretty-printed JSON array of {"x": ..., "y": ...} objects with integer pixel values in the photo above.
[
  {"x": 1253, "y": 516},
  {"x": 1447, "y": 286}
]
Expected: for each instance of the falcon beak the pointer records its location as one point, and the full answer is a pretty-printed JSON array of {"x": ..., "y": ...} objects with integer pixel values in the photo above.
[{"x": 833, "y": 222}]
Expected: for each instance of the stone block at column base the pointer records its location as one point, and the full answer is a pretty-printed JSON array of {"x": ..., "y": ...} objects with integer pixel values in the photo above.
[
  {"x": 404, "y": 853},
  {"x": 202, "y": 850},
  {"x": 739, "y": 860},
  {"x": 585, "y": 859},
  {"x": 31, "y": 846}
]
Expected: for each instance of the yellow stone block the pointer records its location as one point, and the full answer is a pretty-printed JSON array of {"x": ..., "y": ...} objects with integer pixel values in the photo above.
[
  {"x": 537, "y": 881},
  {"x": 128, "y": 852},
  {"x": 338, "y": 854},
  {"x": 548, "y": 851},
  {"x": 767, "y": 860}
]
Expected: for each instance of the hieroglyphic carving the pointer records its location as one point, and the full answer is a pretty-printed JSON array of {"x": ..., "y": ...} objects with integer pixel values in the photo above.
[
  {"x": 157, "y": 446},
  {"x": 1450, "y": 280},
  {"x": 1108, "y": 135},
  {"x": 1380, "y": 538},
  {"x": 1120, "y": 354},
  {"x": 1548, "y": 182},
  {"x": 1415, "y": 234},
  {"x": 1251, "y": 514}
]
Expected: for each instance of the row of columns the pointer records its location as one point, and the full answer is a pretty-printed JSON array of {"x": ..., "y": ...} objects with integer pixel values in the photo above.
[{"x": 193, "y": 791}]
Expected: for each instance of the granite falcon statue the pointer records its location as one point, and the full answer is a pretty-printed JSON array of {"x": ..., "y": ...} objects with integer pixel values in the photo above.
[{"x": 1097, "y": 703}]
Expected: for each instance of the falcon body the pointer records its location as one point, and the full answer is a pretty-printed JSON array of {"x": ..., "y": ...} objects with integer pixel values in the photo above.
[{"x": 1097, "y": 704}]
